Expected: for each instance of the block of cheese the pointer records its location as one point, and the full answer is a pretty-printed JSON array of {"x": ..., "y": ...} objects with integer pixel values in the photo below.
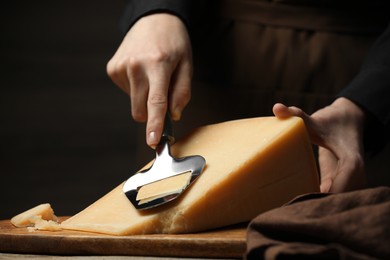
[
  {"x": 40, "y": 217},
  {"x": 252, "y": 165}
]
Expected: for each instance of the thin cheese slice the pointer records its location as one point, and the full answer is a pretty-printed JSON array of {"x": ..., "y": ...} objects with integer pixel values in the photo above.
[
  {"x": 163, "y": 188},
  {"x": 252, "y": 165}
]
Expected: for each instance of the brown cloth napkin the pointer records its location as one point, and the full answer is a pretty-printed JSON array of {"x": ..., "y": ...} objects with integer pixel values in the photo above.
[{"x": 352, "y": 225}]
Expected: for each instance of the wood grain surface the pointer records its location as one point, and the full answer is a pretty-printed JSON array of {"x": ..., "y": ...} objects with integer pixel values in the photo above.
[{"x": 221, "y": 243}]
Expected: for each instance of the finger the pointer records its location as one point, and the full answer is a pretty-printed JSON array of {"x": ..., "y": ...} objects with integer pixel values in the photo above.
[
  {"x": 157, "y": 105},
  {"x": 328, "y": 164},
  {"x": 117, "y": 72},
  {"x": 326, "y": 185},
  {"x": 281, "y": 111},
  {"x": 296, "y": 111},
  {"x": 350, "y": 174},
  {"x": 314, "y": 128},
  {"x": 180, "y": 90},
  {"x": 139, "y": 89}
]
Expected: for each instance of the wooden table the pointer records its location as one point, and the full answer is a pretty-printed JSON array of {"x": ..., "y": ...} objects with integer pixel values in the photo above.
[{"x": 222, "y": 243}]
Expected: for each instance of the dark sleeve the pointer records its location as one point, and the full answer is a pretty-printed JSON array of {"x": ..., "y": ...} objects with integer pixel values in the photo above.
[
  {"x": 136, "y": 9},
  {"x": 370, "y": 89}
]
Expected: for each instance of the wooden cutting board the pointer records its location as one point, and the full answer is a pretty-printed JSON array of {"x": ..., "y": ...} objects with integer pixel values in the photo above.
[{"x": 221, "y": 243}]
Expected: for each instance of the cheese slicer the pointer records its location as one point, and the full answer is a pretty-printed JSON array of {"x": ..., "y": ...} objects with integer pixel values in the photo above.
[{"x": 167, "y": 178}]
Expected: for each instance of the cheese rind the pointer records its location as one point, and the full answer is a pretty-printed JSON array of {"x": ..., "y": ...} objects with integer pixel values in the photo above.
[{"x": 252, "y": 165}]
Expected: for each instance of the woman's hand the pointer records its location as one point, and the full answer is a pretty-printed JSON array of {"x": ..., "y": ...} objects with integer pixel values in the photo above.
[
  {"x": 338, "y": 131},
  {"x": 153, "y": 65}
]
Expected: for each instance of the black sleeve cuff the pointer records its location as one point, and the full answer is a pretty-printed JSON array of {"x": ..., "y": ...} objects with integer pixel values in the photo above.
[
  {"x": 371, "y": 91},
  {"x": 136, "y": 9}
]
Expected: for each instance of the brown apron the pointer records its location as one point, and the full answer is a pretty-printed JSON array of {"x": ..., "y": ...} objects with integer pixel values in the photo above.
[{"x": 288, "y": 51}]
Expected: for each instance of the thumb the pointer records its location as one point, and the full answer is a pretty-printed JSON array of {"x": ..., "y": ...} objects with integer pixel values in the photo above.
[{"x": 315, "y": 131}]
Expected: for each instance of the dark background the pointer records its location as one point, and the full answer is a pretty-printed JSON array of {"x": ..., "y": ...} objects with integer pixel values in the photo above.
[
  {"x": 65, "y": 131},
  {"x": 66, "y": 135}
]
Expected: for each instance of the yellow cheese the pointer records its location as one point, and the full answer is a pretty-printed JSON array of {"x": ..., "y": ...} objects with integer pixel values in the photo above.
[
  {"x": 164, "y": 187},
  {"x": 29, "y": 218},
  {"x": 46, "y": 225},
  {"x": 252, "y": 165}
]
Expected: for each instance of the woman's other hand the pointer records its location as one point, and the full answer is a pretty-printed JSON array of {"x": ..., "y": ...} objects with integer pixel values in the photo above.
[{"x": 338, "y": 131}]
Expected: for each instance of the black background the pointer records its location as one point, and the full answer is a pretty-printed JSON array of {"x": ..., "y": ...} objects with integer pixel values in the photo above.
[{"x": 66, "y": 134}]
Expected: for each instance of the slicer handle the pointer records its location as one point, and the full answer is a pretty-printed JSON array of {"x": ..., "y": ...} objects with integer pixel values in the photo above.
[{"x": 167, "y": 135}]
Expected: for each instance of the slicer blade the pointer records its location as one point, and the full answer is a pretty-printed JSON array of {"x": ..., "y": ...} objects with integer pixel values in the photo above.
[{"x": 165, "y": 166}]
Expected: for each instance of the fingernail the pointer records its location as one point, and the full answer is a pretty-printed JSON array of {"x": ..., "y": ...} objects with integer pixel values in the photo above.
[
  {"x": 152, "y": 138},
  {"x": 176, "y": 114}
]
